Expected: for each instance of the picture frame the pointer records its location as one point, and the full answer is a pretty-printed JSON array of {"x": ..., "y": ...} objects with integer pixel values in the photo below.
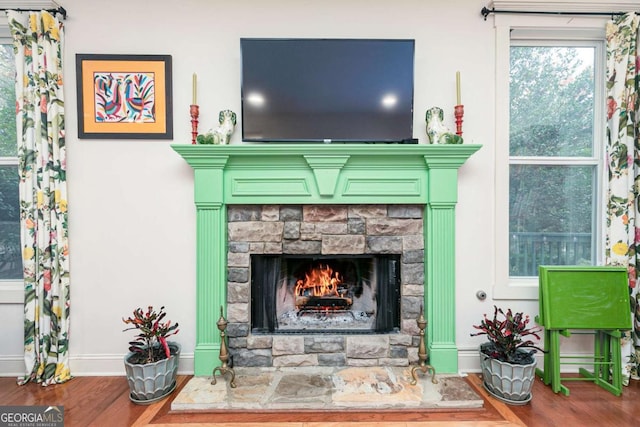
[{"x": 124, "y": 96}]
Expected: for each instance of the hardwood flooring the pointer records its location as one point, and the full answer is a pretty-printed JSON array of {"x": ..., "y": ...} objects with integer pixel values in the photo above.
[{"x": 104, "y": 401}]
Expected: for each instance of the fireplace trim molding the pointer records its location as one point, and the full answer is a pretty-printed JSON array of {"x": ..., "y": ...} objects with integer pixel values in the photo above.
[{"x": 326, "y": 174}]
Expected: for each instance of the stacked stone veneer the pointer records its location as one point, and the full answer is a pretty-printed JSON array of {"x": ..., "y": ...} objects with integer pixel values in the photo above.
[{"x": 326, "y": 230}]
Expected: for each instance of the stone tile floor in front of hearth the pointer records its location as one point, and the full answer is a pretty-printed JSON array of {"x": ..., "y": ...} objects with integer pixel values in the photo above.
[{"x": 318, "y": 388}]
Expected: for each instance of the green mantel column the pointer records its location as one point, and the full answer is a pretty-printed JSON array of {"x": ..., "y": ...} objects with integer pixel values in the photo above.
[
  {"x": 440, "y": 265},
  {"x": 327, "y": 174},
  {"x": 211, "y": 253}
]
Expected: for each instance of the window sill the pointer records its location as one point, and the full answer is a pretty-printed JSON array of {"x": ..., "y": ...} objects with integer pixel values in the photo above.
[
  {"x": 517, "y": 289},
  {"x": 11, "y": 292}
]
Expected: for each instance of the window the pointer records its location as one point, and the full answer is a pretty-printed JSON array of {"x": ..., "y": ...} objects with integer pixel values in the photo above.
[
  {"x": 10, "y": 254},
  {"x": 550, "y": 132},
  {"x": 553, "y": 159}
]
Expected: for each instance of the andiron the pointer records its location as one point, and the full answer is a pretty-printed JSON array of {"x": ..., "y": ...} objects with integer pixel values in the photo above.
[
  {"x": 422, "y": 353},
  {"x": 224, "y": 354}
]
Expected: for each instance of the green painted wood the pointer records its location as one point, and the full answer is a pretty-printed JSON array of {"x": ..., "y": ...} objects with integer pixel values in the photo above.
[
  {"x": 591, "y": 298},
  {"x": 326, "y": 170},
  {"x": 439, "y": 229},
  {"x": 210, "y": 293},
  {"x": 313, "y": 173},
  {"x": 327, "y": 174},
  {"x": 439, "y": 263},
  {"x": 584, "y": 297},
  {"x": 211, "y": 277}
]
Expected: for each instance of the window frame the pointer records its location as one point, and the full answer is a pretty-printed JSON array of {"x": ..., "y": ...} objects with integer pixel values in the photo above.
[
  {"x": 518, "y": 30},
  {"x": 11, "y": 290}
]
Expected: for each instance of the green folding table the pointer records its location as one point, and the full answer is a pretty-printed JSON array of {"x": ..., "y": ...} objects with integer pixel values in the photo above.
[{"x": 584, "y": 300}]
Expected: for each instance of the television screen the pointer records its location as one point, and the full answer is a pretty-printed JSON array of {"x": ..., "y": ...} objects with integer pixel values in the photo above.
[{"x": 343, "y": 90}]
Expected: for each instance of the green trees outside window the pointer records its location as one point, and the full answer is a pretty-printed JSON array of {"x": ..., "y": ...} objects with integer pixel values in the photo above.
[
  {"x": 10, "y": 257},
  {"x": 553, "y": 176}
]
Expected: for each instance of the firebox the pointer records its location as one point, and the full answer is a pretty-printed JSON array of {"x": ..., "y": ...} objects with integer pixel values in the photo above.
[{"x": 325, "y": 294}]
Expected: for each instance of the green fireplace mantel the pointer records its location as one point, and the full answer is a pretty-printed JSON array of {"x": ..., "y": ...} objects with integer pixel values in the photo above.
[{"x": 327, "y": 174}]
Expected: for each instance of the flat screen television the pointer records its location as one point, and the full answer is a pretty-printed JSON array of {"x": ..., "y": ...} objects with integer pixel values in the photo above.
[{"x": 327, "y": 90}]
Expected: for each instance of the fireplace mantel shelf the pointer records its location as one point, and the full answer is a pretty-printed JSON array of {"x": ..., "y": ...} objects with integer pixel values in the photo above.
[
  {"x": 327, "y": 174},
  {"x": 277, "y": 150},
  {"x": 321, "y": 173}
]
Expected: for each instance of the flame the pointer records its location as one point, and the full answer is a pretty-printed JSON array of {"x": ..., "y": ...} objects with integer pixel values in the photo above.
[{"x": 319, "y": 282}]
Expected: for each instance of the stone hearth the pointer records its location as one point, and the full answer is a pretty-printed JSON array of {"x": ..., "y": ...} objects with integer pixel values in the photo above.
[
  {"x": 327, "y": 174},
  {"x": 325, "y": 388}
]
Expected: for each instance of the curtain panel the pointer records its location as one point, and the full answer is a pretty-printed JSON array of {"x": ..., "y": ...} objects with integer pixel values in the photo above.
[
  {"x": 38, "y": 39},
  {"x": 623, "y": 163}
]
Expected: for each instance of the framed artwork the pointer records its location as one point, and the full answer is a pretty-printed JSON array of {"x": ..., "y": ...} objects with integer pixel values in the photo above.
[{"x": 124, "y": 96}]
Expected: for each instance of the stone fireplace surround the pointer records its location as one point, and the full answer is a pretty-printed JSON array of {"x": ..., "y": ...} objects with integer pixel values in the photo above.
[
  {"x": 324, "y": 230},
  {"x": 326, "y": 174}
]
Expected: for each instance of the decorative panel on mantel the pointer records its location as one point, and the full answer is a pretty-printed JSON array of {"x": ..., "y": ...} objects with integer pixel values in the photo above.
[{"x": 301, "y": 174}]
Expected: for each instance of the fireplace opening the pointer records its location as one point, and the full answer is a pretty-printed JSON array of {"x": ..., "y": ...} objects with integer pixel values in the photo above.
[{"x": 325, "y": 294}]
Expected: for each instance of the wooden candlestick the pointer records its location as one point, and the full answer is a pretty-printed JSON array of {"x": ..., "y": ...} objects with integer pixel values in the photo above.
[
  {"x": 194, "y": 110},
  {"x": 459, "y": 113}
]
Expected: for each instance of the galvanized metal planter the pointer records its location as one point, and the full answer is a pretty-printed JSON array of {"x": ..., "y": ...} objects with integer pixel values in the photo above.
[{"x": 152, "y": 381}]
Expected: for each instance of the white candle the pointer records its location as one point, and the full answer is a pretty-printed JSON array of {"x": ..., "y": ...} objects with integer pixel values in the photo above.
[
  {"x": 194, "y": 98},
  {"x": 458, "y": 88}
]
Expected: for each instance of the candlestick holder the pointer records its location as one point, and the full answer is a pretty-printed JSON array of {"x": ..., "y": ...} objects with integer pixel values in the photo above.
[
  {"x": 422, "y": 354},
  {"x": 458, "y": 111},
  {"x": 194, "y": 110},
  {"x": 224, "y": 354}
]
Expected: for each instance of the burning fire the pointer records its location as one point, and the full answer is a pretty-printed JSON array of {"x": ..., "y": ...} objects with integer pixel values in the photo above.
[{"x": 319, "y": 282}]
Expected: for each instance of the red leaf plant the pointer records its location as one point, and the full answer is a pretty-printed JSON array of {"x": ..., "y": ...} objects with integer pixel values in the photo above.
[
  {"x": 150, "y": 345},
  {"x": 505, "y": 333}
]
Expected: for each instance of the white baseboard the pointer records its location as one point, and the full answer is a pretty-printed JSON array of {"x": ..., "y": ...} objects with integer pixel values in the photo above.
[
  {"x": 469, "y": 361},
  {"x": 102, "y": 365},
  {"x": 11, "y": 366},
  {"x": 111, "y": 364}
]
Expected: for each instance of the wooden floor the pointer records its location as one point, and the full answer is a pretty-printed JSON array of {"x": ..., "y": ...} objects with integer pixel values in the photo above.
[{"x": 104, "y": 401}]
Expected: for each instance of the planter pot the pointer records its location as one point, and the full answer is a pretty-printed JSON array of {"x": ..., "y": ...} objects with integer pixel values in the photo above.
[
  {"x": 152, "y": 381},
  {"x": 509, "y": 382}
]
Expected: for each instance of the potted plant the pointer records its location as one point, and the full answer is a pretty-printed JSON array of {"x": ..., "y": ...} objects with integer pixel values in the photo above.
[
  {"x": 507, "y": 361},
  {"x": 152, "y": 362}
]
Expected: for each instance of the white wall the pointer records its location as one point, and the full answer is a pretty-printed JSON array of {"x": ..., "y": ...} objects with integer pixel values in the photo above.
[{"x": 131, "y": 212}]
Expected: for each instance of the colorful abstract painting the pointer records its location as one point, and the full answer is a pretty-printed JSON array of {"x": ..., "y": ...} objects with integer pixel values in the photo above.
[{"x": 124, "y": 97}]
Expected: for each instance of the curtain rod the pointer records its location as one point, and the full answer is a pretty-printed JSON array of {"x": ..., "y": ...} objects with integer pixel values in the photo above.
[
  {"x": 486, "y": 12},
  {"x": 61, "y": 10}
]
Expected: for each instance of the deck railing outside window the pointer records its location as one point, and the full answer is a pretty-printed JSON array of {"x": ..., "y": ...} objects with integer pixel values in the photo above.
[{"x": 529, "y": 250}]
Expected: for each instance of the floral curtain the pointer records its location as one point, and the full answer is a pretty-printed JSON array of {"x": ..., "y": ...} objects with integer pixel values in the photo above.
[
  {"x": 38, "y": 45},
  {"x": 623, "y": 163}
]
